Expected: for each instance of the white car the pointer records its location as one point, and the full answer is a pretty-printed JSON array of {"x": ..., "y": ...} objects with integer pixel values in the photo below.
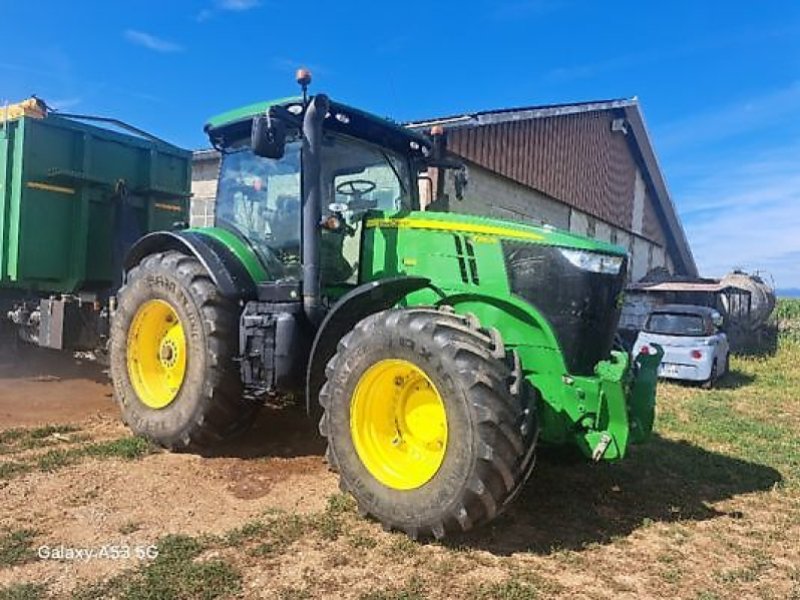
[{"x": 695, "y": 349}]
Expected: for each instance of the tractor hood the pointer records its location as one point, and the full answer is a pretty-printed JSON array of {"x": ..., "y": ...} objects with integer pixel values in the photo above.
[{"x": 498, "y": 228}]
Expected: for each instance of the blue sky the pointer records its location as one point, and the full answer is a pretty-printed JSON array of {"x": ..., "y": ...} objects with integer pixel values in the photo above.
[{"x": 719, "y": 82}]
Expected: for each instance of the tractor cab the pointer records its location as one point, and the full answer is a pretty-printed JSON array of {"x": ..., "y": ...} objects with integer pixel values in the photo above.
[{"x": 361, "y": 163}]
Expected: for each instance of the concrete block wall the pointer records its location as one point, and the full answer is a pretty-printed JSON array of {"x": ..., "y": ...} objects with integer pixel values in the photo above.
[
  {"x": 492, "y": 195},
  {"x": 205, "y": 169},
  {"x": 643, "y": 255}
]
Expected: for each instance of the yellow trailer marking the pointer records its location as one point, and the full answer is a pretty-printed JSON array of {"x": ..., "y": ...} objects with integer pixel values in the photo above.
[
  {"x": 38, "y": 185},
  {"x": 171, "y": 207}
]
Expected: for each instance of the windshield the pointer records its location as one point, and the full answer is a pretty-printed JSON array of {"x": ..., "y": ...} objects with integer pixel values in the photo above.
[
  {"x": 675, "y": 324},
  {"x": 357, "y": 177},
  {"x": 259, "y": 198}
]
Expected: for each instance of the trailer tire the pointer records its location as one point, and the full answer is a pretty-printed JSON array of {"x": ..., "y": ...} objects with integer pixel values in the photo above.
[
  {"x": 189, "y": 397},
  {"x": 488, "y": 432}
]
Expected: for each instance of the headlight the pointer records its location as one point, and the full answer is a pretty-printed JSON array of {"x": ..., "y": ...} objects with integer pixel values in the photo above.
[{"x": 592, "y": 261}]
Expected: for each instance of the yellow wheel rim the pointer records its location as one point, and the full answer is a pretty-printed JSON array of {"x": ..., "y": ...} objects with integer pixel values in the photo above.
[
  {"x": 398, "y": 424},
  {"x": 156, "y": 354}
]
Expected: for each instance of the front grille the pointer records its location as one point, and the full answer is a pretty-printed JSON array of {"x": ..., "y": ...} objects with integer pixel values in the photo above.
[{"x": 581, "y": 306}]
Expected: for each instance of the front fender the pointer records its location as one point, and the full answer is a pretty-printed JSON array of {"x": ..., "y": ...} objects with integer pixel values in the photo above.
[
  {"x": 226, "y": 270},
  {"x": 355, "y": 305}
]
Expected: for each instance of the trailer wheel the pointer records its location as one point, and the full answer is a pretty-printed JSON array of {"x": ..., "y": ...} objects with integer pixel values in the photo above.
[
  {"x": 425, "y": 421},
  {"x": 173, "y": 340}
]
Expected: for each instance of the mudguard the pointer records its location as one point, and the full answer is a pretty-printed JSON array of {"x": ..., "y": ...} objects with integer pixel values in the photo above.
[
  {"x": 356, "y": 304},
  {"x": 225, "y": 269}
]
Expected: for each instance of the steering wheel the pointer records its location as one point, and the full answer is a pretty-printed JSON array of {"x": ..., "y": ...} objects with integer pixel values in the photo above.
[{"x": 356, "y": 187}]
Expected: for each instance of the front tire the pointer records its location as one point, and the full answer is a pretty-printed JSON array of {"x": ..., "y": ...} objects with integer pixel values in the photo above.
[
  {"x": 173, "y": 341},
  {"x": 425, "y": 421}
]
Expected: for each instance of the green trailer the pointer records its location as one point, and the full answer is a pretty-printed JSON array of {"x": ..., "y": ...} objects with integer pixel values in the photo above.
[{"x": 74, "y": 196}]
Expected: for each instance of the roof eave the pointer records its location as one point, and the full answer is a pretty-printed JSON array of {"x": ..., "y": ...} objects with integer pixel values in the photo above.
[
  {"x": 635, "y": 118},
  {"x": 523, "y": 114}
]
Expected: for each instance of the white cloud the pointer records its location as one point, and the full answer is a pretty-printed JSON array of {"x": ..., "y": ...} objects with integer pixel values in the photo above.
[
  {"x": 204, "y": 15},
  {"x": 747, "y": 214},
  {"x": 151, "y": 42},
  {"x": 237, "y": 5},
  {"x": 751, "y": 114},
  {"x": 64, "y": 103},
  {"x": 226, "y": 5}
]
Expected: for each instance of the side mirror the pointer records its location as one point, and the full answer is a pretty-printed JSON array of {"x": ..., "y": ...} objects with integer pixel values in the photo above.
[{"x": 268, "y": 137}]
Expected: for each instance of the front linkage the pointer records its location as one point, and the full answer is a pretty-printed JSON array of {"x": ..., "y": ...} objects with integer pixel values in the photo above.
[{"x": 626, "y": 405}]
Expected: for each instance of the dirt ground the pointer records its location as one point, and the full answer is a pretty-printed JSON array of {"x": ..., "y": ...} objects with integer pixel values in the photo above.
[
  {"x": 41, "y": 386},
  {"x": 277, "y": 465},
  {"x": 676, "y": 519}
]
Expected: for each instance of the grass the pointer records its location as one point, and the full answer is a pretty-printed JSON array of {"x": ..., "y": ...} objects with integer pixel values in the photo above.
[
  {"x": 512, "y": 589},
  {"x": 414, "y": 589},
  {"x": 16, "y": 547},
  {"x": 177, "y": 572},
  {"x": 23, "y": 591},
  {"x": 19, "y": 439},
  {"x": 127, "y": 448}
]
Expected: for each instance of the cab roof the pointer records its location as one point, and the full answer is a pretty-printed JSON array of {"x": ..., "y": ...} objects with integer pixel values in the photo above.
[{"x": 346, "y": 119}]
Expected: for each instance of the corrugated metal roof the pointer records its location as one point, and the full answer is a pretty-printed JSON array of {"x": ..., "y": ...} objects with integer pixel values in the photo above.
[
  {"x": 505, "y": 122},
  {"x": 502, "y": 115}
]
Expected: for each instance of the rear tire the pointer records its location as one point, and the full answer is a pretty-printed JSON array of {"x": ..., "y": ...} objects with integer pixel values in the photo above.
[
  {"x": 187, "y": 409},
  {"x": 712, "y": 379},
  {"x": 489, "y": 430}
]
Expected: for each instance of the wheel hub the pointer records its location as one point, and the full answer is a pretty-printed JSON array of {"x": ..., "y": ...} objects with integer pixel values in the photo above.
[
  {"x": 398, "y": 424},
  {"x": 156, "y": 353},
  {"x": 168, "y": 354}
]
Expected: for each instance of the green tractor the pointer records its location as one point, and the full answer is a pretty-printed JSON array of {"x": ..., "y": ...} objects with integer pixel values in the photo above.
[{"x": 438, "y": 350}]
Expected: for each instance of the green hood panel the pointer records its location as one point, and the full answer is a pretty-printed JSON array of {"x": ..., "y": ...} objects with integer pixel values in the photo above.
[{"x": 484, "y": 226}]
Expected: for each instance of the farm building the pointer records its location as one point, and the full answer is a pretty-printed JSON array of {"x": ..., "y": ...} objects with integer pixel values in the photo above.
[{"x": 585, "y": 167}]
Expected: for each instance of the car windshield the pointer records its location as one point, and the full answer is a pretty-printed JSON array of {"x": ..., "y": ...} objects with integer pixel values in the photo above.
[{"x": 675, "y": 324}]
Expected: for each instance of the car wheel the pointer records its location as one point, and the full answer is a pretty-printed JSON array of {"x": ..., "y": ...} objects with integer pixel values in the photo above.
[{"x": 712, "y": 379}]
